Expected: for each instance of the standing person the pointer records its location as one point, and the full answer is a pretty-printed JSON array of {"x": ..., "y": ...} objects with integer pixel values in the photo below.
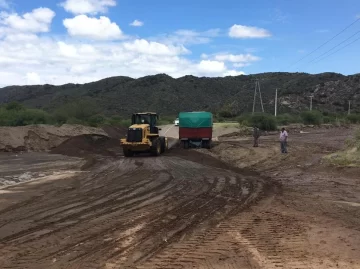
[
  {"x": 283, "y": 140},
  {"x": 256, "y": 135}
]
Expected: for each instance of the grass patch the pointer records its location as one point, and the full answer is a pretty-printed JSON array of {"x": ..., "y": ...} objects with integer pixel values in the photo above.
[
  {"x": 350, "y": 157},
  {"x": 347, "y": 158}
]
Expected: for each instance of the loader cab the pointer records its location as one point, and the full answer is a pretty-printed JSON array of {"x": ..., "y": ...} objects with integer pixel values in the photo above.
[{"x": 146, "y": 118}]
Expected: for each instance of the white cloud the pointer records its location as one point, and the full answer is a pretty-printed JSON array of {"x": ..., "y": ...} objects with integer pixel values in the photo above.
[
  {"x": 189, "y": 37},
  {"x": 137, "y": 23},
  {"x": 87, "y": 6},
  {"x": 93, "y": 28},
  {"x": 39, "y": 20},
  {"x": 238, "y": 65},
  {"x": 239, "y": 58},
  {"x": 208, "y": 66},
  {"x": 153, "y": 48},
  {"x": 33, "y": 78},
  {"x": 242, "y": 31},
  {"x": 29, "y": 58},
  {"x": 20, "y": 37},
  {"x": 67, "y": 61},
  {"x": 233, "y": 73},
  {"x": 66, "y": 50},
  {"x": 4, "y": 4}
]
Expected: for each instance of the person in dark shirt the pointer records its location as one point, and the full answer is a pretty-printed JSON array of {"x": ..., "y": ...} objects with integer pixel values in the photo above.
[{"x": 256, "y": 135}]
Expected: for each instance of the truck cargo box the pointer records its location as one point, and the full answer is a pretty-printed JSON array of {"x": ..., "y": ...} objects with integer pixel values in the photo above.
[
  {"x": 195, "y": 119},
  {"x": 195, "y": 133}
]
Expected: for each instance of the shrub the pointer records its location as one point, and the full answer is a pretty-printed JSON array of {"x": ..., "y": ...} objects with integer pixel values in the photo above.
[
  {"x": 14, "y": 106},
  {"x": 312, "y": 117},
  {"x": 82, "y": 110},
  {"x": 74, "y": 121},
  {"x": 263, "y": 121},
  {"x": 226, "y": 114},
  {"x": 285, "y": 119},
  {"x": 353, "y": 118},
  {"x": 16, "y": 116},
  {"x": 328, "y": 119},
  {"x": 118, "y": 121},
  {"x": 96, "y": 120}
]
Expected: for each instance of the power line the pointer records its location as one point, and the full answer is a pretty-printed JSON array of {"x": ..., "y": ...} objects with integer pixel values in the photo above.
[
  {"x": 325, "y": 42},
  {"x": 334, "y": 47},
  {"x": 339, "y": 49}
]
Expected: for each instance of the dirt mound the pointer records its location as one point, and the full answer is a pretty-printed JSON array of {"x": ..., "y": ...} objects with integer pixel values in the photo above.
[
  {"x": 40, "y": 137},
  {"x": 115, "y": 132},
  {"x": 89, "y": 144}
]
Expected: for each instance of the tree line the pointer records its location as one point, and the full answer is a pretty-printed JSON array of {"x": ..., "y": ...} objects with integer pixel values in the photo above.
[{"x": 86, "y": 112}]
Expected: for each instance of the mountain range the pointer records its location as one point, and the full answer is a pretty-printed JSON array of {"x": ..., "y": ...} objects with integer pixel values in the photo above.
[{"x": 168, "y": 96}]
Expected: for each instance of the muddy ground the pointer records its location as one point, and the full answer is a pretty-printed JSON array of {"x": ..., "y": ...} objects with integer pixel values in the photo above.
[{"x": 233, "y": 206}]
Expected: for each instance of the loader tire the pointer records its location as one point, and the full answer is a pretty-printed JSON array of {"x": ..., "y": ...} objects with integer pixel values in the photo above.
[
  {"x": 163, "y": 144},
  {"x": 156, "y": 147}
]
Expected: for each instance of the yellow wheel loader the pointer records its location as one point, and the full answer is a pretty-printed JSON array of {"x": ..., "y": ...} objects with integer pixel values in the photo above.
[{"x": 143, "y": 136}]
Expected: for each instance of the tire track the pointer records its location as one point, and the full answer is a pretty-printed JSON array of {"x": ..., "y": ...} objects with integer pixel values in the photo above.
[
  {"x": 126, "y": 213},
  {"x": 196, "y": 238}
]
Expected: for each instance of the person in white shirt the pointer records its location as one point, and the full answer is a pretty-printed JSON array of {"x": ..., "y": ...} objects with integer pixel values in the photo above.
[{"x": 283, "y": 140}]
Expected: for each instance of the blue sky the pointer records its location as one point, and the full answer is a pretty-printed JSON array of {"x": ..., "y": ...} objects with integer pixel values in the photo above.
[{"x": 61, "y": 41}]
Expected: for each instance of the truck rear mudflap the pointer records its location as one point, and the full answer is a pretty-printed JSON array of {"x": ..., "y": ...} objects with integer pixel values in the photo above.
[{"x": 195, "y": 143}]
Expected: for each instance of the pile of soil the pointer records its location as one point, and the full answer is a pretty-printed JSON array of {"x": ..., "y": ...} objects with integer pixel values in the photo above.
[
  {"x": 89, "y": 144},
  {"x": 115, "y": 132},
  {"x": 40, "y": 137}
]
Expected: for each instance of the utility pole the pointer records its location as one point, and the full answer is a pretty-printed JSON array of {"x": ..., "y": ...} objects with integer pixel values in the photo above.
[
  {"x": 257, "y": 88},
  {"x": 349, "y": 107},
  {"x": 253, "y": 111},
  {"x": 262, "y": 106},
  {"x": 276, "y": 102},
  {"x": 311, "y": 98}
]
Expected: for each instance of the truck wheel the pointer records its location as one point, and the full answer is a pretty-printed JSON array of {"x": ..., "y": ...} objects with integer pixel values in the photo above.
[
  {"x": 156, "y": 147},
  {"x": 186, "y": 144},
  {"x": 128, "y": 153},
  {"x": 206, "y": 144}
]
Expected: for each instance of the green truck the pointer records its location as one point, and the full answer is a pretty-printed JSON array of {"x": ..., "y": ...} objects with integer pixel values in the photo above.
[{"x": 195, "y": 129}]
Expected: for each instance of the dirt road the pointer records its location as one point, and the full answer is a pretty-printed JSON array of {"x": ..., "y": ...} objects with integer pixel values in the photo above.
[
  {"x": 122, "y": 213},
  {"x": 186, "y": 209}
]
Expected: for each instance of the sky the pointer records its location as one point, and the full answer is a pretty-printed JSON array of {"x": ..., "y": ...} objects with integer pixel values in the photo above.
[{"x": 79, "y": 41}]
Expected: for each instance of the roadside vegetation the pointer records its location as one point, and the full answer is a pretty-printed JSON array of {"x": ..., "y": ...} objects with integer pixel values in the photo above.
[
  {"x": 350, "y": 156},
  {"x": 86, "y": 112},
  {"x": 83, "y": 112},
  {"x": 269, "y": 122}
]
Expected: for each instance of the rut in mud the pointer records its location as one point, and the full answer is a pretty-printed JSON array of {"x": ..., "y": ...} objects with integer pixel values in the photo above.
[{"x": 122, "y": 214}]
